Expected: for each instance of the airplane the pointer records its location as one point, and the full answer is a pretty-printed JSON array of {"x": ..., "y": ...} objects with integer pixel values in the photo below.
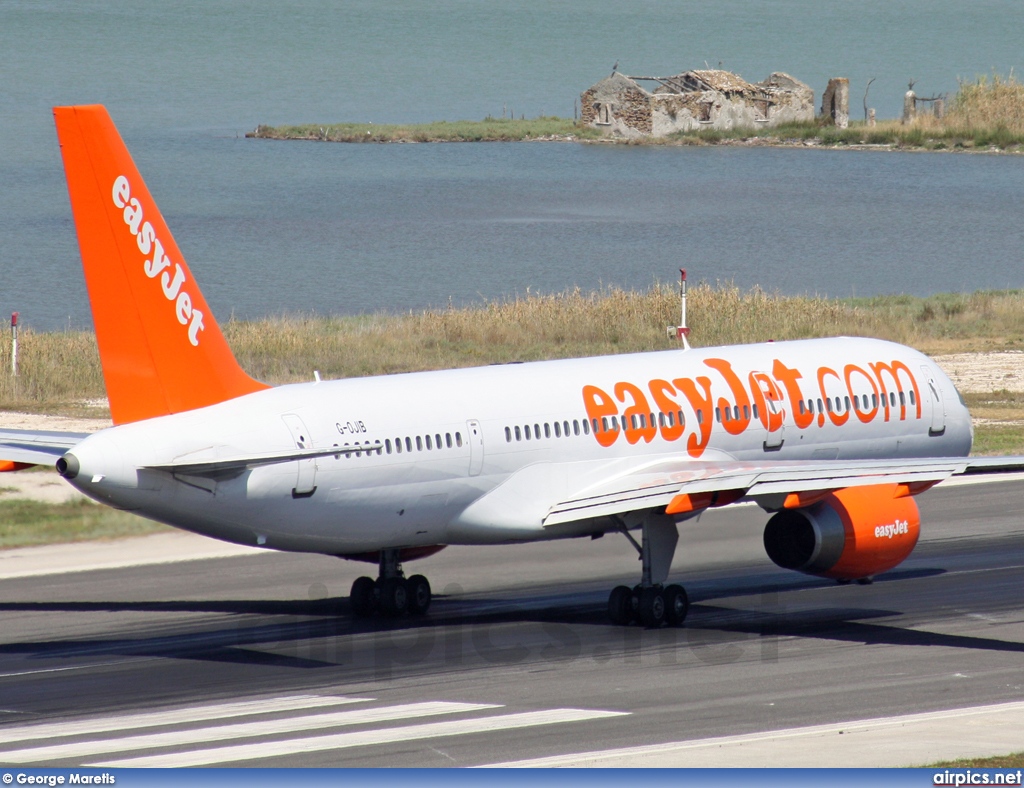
[{"x": 832, "y": 438}]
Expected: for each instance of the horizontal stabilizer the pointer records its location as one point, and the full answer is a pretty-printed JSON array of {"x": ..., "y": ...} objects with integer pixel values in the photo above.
[{"x": 35, "y": 447}]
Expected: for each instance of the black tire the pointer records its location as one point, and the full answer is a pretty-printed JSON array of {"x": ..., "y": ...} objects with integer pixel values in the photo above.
[
  {"x": 419, "y": 594},
  {"x": 394, "y": 596},
  {"x": 620, "y": 605},
  {"x": 677, "y": 605},
  {"x": 651, "y": 608},
  {"x": 363, "y": 597},
  {"x": 865, "y": 581}
]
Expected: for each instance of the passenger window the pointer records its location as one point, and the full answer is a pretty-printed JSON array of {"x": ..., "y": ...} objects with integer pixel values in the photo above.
[
  {"x": 547, "y": 430},
  {"x": 448, "y": 439},
  {"x": 671, "y": 419},
  {"x": 892, "y": 398},
  {"x": 575, "y": 427},
  {"x": 700, "y": 416},
  {"x": 604, "y": 424},
  {"x": 874, "y": 400},
  {"x": 558, "y": 430},
  {"x": 718, "y": 415},
  {"x": 458, "y": 439},
  {"x": 508, "y": 435},
  {"x": 437, "y": 439},
  {"x": 821, "y": 407},
  {"x": 755, "y": 413},
  {"x": 839, "y": 405},
  {"x": 429, "y": 447},
  {"x": 903, "y": 399},
  {"x": 682, "y": 421},
  {"x": 519, "y": 436},
  {"x": 387, "y": 445},
  {"x": 803, "y": 409},
  {"x": 565, "y": 428},
  {"x": 526, "y": 431},
  {"x": 419, "y": 443},
  {"x": 408, "y": 444},
  {"x": 846, "y": 402},
  {"x": 746, "y": 413},
  {"x": 398, "y": 445},
  {"x": 912, "y": 397},
  {"x": 586, "y": 426},
  {"x": 828, "y": 404},
  {"x": 536, "y": 431},
  {"x": 348, "y": 455}
]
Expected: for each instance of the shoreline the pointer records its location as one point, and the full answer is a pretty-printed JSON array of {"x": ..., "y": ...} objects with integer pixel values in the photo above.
[{"x": 888, "y": 136}]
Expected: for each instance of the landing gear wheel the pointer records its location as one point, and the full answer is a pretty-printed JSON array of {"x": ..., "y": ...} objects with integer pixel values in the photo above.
[
  {"x": 651, "y": 607},
  {"x": 394, "y": 596},
  {"x": 419, "y": 594},
  {"x": 677, "y": 605},
  {"x": 865, "y": 581},
  {"x": 620, "y": 605},
  {"x": 363, "y": 597}
]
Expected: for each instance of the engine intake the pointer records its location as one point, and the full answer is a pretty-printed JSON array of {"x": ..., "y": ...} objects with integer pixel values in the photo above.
[{"x": 852, "y": 533}]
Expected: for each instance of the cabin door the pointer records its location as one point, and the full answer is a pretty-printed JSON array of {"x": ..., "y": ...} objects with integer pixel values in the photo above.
[
  {"x": 476, "y": 447},
  {"x": 305, "y": 479},
  {"x": 934, "y": 394}
]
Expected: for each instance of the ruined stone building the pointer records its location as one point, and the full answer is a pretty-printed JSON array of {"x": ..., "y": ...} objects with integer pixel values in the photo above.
[{"x": 710, "y": 99}]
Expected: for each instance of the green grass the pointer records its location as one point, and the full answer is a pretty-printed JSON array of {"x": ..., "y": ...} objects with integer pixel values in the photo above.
[
  {"x": 486, "y": 130},
  {"x": 1012, "y": 761},
  {"x": 25, "y": 523}
]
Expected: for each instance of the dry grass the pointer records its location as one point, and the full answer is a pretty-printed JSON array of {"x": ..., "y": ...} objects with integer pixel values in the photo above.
[
  {"x": 989, "y": 103},
  {"x": 61, "y": 370}
]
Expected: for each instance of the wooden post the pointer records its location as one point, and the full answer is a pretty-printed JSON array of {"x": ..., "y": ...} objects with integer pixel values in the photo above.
[{"x": 871, "y": 117}]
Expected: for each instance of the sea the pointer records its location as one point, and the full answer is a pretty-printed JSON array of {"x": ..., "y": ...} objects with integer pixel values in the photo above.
[{"x": 272, "y": 228}]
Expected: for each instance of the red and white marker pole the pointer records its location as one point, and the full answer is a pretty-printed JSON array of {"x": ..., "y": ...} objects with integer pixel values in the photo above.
[{"x": 14, "y": 344}]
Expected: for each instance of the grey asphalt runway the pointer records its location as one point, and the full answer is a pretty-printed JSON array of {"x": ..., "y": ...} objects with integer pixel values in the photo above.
[{"x": 148, "y": 665}]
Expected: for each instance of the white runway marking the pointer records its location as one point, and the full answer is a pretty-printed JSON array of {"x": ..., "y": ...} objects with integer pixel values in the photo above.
[
  {"x": 337, "y": 741},
  {"x": 172, "y": 717},
  {"x": 922, "y": 738},
  {"x": 242, "y": 730}
]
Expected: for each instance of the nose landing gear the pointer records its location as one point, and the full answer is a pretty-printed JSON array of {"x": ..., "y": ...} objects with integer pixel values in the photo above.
[
  {"x": 651, "y": 603},
  {"x": 391, "y": 594}
]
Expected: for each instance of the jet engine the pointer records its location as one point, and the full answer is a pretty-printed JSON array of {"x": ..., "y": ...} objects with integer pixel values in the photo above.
[{"x": 851, "y": 534}]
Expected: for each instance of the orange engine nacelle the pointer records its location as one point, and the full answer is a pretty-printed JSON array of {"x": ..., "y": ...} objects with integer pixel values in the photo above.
[{"x": 851, "y": 534}]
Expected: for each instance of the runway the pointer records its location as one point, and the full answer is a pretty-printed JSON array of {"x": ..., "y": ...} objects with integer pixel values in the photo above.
[{"x": 254, "y": 660}]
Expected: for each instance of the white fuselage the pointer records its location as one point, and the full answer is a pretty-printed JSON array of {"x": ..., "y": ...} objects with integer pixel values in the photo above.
[{"x": 474, "y": 456}]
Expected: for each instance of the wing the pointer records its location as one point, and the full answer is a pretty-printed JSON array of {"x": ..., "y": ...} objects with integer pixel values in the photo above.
[
  {"x": 684, "y": 485},
  {"x": 35, "y": 447}
]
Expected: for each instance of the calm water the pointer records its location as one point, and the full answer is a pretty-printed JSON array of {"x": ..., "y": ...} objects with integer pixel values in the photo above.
[{"x": 271, "y": 227}]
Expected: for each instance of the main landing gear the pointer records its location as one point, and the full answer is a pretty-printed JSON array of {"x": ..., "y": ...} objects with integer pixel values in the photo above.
[
  {"x": 391, "y": 594},
  {"x": 651, "y": 603}
]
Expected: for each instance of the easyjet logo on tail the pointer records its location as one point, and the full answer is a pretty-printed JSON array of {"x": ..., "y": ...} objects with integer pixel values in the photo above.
[{"x": 172, "y": 279}]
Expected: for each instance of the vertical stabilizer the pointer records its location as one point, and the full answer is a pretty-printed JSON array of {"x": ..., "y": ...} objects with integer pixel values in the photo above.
[{"x": 160, "y": 347}]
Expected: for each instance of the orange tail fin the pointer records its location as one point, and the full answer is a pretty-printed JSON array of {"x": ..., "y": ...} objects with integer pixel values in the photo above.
[{"x": 160, "y": 347}]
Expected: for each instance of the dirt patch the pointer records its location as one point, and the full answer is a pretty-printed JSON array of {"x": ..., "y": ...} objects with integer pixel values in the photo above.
[{"x": 985, "y": 372}]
